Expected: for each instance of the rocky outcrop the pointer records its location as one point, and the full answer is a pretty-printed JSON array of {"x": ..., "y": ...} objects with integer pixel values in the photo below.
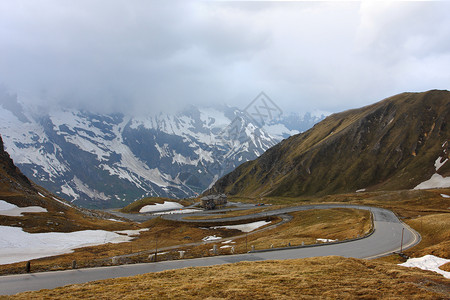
[{"x": 12, "y": 178}]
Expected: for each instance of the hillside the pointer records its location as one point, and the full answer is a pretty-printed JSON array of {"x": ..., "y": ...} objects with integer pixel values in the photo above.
[
  {"x": 394, "y": 144},
  {"x": 312, "y": 278}
]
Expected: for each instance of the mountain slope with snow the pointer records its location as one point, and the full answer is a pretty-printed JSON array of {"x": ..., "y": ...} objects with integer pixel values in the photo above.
[{"x": 100, "y": 160}]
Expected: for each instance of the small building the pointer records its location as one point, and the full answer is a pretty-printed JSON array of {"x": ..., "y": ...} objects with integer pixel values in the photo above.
[{"x": 214, "y": 201}]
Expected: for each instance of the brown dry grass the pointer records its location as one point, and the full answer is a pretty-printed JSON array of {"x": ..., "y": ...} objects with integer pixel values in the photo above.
[
  {"x": 307, "y": 226},
  {"x": 445, "y": 267},
  {"x": 426, "y": 211},
  {"x": 435, "y": 232},
  {"x": 312, "y": 278}
]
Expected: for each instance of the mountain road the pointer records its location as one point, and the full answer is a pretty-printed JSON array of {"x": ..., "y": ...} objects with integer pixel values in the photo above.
[{"x": 385, "y": 239}]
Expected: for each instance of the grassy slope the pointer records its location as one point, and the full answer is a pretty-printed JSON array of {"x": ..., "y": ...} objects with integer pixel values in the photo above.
[
  {"x": 386, "y": 146},
  {"x": 312, "y": 278},
  {"x": 307, "y": 226}
]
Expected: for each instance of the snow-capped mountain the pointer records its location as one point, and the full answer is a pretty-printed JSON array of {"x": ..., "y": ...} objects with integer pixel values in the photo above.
[{"x": 110, "y": 160}]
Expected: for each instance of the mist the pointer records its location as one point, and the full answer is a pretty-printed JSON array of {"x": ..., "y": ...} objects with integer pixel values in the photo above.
[{"x": 143, "y": 57}]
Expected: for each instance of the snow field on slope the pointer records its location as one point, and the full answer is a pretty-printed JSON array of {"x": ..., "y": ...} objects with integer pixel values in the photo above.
[
  {"x": 17, "y": 245},
  {"x": 245, "y": 227},
  {"x": 437, "y": 180},
  {"x": 16, "y": 133},
  {"x": 11, "y": 210},
  {"x": 167, "y": 205},
  {"x": 428, "y": 262}
]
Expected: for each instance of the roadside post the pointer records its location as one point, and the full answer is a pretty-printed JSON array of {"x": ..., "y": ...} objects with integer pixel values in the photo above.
[
  {"x": 156, "y": 247},
  {"x": 246, "y": 249},
  {"x": 401, "y": 243}
]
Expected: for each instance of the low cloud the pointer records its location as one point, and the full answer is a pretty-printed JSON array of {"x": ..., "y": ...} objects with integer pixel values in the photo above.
[{"x": 148, "y": 56}]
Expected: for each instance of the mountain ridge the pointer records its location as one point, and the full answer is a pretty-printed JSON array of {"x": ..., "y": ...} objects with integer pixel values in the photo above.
[
  {"x": 379, "y": 146},
  {"x": 100, "y": 160}
]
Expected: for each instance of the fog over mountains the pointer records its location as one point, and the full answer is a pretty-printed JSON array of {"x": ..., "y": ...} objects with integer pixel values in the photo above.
[{"x": 108, "y": 160}]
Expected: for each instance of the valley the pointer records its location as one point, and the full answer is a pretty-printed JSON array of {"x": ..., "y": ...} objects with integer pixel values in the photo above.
[
  {"x": 155, "y": 234},
  {"x": 224, "y": 149},
  {"x": 111, "y": 160}
]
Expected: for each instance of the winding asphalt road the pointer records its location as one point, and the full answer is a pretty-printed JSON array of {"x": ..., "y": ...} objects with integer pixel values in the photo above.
[{"x": 385, "y": 239}]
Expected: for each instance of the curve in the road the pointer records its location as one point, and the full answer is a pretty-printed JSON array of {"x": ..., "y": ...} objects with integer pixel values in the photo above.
[{"x": 386, "y": 239}]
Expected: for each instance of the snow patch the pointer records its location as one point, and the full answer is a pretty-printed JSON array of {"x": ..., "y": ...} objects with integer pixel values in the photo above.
[
  {"x": 17, "y": 245},
  {"x": 428, "y": 262},
  {"x": 11, "y": 210},
  {"x": 114, "y": 220},
  {"x": 279, "y": 131},
  {"x": 67, "y": 189},
  {"x": 67, "y": 204},
  {"x": 445, "y": 196},
  {"x": 360, "y": 190},
  {"x": 92, "y": 193},
  {"x": 229, "y": 242},
  {"x": 211, "y": 238},
  {"x": 245, "y": 227},
  {"x": 167, "y": 205},
  {"x": 438, "y": 164},
  {"x": 326, "y": 240},
  {"x": 214, "y": 117},
  {"x": 436, "y": 181}
]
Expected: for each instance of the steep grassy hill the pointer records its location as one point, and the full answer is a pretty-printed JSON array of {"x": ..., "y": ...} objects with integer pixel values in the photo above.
[{"x": 390, "y": 145}]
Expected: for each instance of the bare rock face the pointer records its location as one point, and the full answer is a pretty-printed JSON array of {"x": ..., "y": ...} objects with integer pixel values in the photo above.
[
  {"x": 11, "y": 177},
  {"x": 393, "y": 144}
]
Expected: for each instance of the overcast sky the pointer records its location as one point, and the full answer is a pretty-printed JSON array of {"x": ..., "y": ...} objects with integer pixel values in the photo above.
[{"x": 146, "y": 56}]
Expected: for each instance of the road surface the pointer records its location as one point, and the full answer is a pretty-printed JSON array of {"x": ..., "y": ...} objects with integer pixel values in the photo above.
[{"x": 385, "y": 240}]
